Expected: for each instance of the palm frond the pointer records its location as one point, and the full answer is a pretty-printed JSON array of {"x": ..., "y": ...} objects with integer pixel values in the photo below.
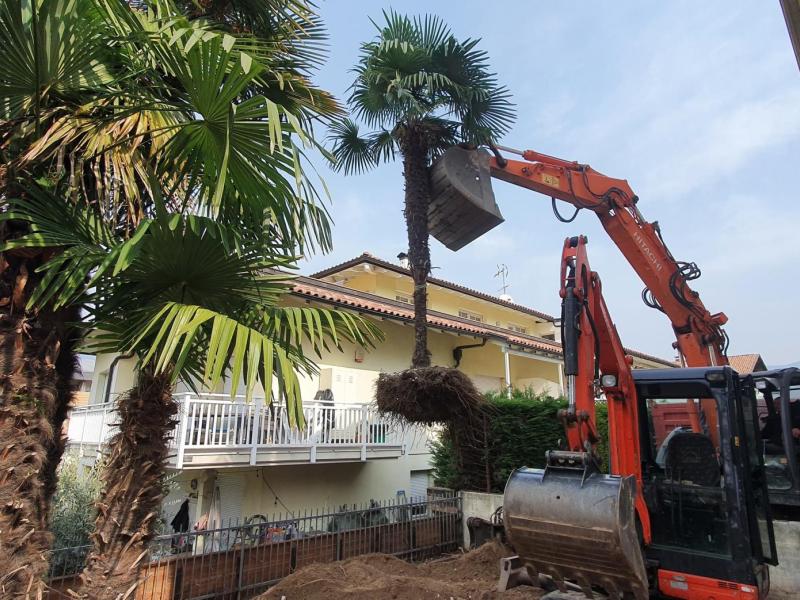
[
  {"x": 49, "y": 49},
  {"x": 487, "y": 118},
  {"x": 191, "y": 305},
  {"x": 383, "y": 145},
  {"x": 351, "y": 152},
  {"x": 416, "y": 74}
]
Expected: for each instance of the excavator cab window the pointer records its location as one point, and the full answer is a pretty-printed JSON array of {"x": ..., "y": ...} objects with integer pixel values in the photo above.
[
  {"x": 756, "y": 481},
  {"x": 781, "y": 453},
  {"x": 684, "y": 479}
]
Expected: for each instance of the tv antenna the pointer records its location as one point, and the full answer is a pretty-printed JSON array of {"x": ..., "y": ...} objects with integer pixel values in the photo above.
[{"x": 502, "y": 273}]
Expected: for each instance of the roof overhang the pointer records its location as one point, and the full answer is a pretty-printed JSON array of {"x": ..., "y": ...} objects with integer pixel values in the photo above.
[
  {"x": 368, "y": 263},
  {"x": 310, "y": 289}
]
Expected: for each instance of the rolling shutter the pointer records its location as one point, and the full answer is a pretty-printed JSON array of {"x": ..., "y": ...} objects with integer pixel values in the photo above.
[{"x": 419, "y": 485}]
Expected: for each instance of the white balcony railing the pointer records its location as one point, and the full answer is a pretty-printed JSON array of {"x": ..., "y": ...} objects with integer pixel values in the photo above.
[
  {"x": 209, "y": 423},
  {"x": 93, "y": 424}
]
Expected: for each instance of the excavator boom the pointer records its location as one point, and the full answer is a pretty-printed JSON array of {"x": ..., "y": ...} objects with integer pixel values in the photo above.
[{"x": 463, "y": 208}]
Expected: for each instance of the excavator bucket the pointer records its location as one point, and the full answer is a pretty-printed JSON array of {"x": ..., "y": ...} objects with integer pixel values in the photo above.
[
  {"x": 572, "y": 523},
  {"x": 462, "y": 204}
]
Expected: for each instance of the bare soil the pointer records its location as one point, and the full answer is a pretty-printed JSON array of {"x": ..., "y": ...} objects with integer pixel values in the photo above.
[{"x": 469, "y": 576}]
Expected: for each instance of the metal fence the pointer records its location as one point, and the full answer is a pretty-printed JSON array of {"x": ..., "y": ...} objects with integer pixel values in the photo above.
[{"x": 243, "y": 560}]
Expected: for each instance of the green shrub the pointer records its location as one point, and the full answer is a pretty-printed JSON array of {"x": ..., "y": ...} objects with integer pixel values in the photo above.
[
  {"x": 72, "y": 516},
  {"x": 73, "y": 509},
  {"x": 517, "y": 433}
]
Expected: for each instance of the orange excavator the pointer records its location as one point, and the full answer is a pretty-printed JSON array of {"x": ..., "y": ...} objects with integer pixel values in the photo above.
[
  {"x": 692, "y": 524},
  {"x": 687, "y": 520},
  {"x": 463, "y": 208}
]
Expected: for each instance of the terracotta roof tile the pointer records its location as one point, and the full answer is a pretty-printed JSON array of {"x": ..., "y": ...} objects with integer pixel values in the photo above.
[
  {"x": 747, "y": 363},
  {"x": 323, "y": 291},
  {"x": 342, "y": 296},
  {"x": 366, "y": 257}
]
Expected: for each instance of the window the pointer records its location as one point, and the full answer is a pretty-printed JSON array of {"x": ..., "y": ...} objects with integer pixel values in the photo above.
[
  {"x": 517, "y": 328},
  {"x": 549, "y": 336},
  {"x": 472, "y": 316},
  {"x": 100, "y": 389},
  {"x": 403, "y": 298}
]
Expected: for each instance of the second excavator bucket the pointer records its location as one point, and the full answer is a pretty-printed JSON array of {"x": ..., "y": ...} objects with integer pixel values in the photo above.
[
  {"x": 462, "y": 204},
  {"x": 572, "y": 523}
]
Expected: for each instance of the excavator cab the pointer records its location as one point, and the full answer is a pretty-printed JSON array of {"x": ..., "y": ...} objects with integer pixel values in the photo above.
[
  {"x": 709, "y": 522},
  {"x": 708, "y": 506}
]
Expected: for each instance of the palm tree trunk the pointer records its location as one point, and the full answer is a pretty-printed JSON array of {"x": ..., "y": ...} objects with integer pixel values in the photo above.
[
  {"x": 36, "y": 365},
  {"x": 132, "y": 489},
  {"x": 417, "y": 182}
]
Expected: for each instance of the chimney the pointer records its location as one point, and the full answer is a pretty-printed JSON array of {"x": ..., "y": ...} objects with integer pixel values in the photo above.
[{"x": 403, "y": 258}]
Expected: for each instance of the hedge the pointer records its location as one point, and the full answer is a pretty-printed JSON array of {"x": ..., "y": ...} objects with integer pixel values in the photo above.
[{"x": 517, "y": 432}]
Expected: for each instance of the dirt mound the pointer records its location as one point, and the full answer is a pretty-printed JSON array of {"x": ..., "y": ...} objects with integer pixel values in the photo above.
[{"x": 470, "y": 576}]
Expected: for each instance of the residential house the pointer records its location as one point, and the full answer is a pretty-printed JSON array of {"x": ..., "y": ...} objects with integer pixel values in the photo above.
[
  {"x": 83, "y": 379},
  {"x": 347, "y": 453}
]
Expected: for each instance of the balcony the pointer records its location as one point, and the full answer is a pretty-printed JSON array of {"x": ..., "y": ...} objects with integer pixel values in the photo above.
[{"x": 214, "y": 431}]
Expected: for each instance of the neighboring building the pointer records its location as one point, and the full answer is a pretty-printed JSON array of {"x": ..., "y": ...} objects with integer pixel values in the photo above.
[
  {"x": 83, "y": 380},
  {"x": 347, "y": 453},
  {"x": 747, "y": 363}
]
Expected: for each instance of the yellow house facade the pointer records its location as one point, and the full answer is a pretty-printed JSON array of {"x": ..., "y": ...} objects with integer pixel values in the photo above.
[{"x": 245, "y": 455}]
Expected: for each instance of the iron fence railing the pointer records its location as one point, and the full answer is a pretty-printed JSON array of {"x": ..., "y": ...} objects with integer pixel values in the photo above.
[{"x": 241, "y": 560}]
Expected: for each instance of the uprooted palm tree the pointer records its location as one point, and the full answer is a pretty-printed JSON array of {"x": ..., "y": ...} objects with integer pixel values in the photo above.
[
  {"x": 126, "y": 115},
  {"x": 421, "y": 90}
]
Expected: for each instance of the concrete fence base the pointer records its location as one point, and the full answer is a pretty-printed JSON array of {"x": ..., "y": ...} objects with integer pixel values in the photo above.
[
  {"x": 785, "y": 578},
  {"x": 477, "y": 504}
]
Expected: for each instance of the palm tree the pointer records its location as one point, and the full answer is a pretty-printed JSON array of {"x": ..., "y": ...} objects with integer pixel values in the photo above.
[
  {"x": 120, "y": 125},
  {"x": 421, "y": 91},
  {"x": 51, "y": 61},
  {"x": 197, "y": 301}
]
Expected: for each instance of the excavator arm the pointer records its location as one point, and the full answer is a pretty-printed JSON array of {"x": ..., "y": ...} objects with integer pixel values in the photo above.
[
  {"x": 595, "y": 361},
  {"x": 571, "y": 521}
]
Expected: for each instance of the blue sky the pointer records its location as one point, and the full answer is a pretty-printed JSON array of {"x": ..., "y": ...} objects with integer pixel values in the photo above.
[{"x": 696, "y": 104}]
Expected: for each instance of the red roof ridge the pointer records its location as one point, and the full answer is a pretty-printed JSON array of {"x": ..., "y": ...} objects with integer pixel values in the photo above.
[
  {"x": 325, "y": 291},
  {"x": 434, "y": 280}
]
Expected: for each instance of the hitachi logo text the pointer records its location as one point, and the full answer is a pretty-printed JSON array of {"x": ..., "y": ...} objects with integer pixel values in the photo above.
[{"x": 648, "y": 252}]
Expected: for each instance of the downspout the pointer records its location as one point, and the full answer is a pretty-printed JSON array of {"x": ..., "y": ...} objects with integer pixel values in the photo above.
[
  {"x": 458, "y": 351},
  {"x": 111, "y": 370},
  {"x": 507, "y": 365}
]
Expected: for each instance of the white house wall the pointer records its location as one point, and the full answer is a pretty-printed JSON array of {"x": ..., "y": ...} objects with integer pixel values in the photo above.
[{"x": 298, "y": 487}]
